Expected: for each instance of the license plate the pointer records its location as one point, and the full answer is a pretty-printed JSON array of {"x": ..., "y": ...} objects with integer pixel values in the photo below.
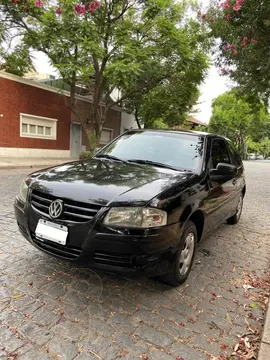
[{"x": 47, "y": 230}]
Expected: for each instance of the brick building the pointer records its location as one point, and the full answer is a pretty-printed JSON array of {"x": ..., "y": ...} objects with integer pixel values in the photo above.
[{"x": 35, "y": 122}]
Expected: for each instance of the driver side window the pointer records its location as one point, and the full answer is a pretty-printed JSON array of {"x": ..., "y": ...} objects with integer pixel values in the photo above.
[{"x": 219, "y": 153}]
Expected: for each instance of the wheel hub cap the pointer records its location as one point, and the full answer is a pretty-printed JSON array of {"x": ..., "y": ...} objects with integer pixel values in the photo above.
[
  {"x": 239, "y": 207},
  {"x": 187, "y": 253}
]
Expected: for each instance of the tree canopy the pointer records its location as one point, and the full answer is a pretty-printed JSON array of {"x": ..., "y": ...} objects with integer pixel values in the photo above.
[
  {"x": 234, "y": 117},
  {"x": 242, "y": 31},
  {"x": 142, "y": 49}
]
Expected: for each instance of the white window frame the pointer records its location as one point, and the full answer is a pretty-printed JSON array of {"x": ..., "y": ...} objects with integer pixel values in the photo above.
[
  {"x": 105, "y": 143},
  {"x": 53, "y": 136}
]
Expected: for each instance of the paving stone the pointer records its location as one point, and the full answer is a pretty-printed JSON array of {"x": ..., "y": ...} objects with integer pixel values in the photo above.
[
  {"x": 35, "y": 354},
  {"x": 85, "y": 356},
  {"x": 153, "y": 335},
  {"x": 9, "y": 340},
  {"x": 11, "y": 318},
  {"x": 64, "y": 329},
  {"x": 59, "y": 346},
  {"x": 203, "y": 343},
  {"x": 45, "y": 317},
  {"x": 54, "y": 289},
  {"x": 97, "y": 344},
  {"x": 186, "y": 352},
  {"x": 35, "y": 333},
  {"x": 160, "y": 355}
]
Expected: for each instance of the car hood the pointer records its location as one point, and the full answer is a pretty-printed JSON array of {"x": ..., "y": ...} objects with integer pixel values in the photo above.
[{"x": 107, "y": 182}]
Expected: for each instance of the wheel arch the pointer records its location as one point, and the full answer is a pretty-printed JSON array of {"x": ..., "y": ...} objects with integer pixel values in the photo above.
[{"x": 197, "y": 217}]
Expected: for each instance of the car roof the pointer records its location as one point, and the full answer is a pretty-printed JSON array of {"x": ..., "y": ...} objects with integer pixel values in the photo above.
[{"x": 183, "y": 132}]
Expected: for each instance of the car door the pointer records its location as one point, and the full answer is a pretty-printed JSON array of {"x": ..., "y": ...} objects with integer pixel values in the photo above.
[
  {"x": 222, "y": 191},
  {"x": 239, "y": 179}
]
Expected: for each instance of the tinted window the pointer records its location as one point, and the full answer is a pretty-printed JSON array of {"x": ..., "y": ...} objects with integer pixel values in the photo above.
[
  {"x": 234, "y": 155},
  {"x": 219, "y": 153},
  {"x": 182, "y": 151}
]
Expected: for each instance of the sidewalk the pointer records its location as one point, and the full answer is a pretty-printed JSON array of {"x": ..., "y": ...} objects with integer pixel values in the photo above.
[
  {"x": 264, "y": 353},
  {"x": 21, "y": 163}
]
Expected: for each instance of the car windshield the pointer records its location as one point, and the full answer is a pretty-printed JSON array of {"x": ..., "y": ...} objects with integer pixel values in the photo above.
[{"x": 177, "y": 150}]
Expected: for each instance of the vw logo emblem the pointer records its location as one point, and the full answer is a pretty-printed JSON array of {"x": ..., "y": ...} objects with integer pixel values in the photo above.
[{"x": 56, "y": 209}]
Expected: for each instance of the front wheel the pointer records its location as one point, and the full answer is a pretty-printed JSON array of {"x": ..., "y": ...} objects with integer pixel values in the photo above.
[
  {"x": 184, "y": 257},
  {"x": 236, "y": 217}
]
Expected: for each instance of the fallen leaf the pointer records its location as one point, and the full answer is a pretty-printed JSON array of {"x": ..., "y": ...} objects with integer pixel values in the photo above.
[
  {"x": 16, "y": 296},
  {"x": 247, "y": 344},
  {"x": 247, "y": 287},
  {"x": 253, "y": 306},
  {"x": 228, "y": 318},
  {"x": 182, "y": 324}
]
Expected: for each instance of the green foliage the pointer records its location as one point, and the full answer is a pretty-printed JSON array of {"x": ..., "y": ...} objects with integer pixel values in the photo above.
[
  {"x": 85, "y": 155},
  {"x": 234, "y": 117},
  {"x": 248, "y": 31},
  {"x": 92, "y": 141},
  {"x": 17, "y": 61},
  {"x": 159, "y": 124},
  {"x": 149, "y": 51},
  {"x": 262, "y": 147}
]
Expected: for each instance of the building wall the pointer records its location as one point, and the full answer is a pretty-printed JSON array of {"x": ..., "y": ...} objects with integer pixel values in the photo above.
[
  {"x": 128, "y": 122},
  {"x": 16, "y": 98},
  {"x": 113, "y": 122},
  {"x": 21, "y": 96}
]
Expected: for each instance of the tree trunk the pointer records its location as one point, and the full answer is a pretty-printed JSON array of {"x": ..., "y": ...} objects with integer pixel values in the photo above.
[{"x": 137, "y": 118}]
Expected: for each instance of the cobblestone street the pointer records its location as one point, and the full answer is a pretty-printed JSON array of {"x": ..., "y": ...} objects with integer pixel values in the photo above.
[{"x": 52, "y": 309}]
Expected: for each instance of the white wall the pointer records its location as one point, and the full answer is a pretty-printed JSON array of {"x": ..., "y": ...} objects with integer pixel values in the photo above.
[
  {"x": 33, "y": 153},
  {"x": 127, "y": 122}
]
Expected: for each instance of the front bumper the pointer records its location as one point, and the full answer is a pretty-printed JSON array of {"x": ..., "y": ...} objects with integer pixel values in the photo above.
[{"x": 150, "y": 252}]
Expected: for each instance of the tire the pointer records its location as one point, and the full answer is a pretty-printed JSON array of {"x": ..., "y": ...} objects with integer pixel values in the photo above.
[
  {"x": 181, "y": 270},
  {"x": 236, "y": 217}
]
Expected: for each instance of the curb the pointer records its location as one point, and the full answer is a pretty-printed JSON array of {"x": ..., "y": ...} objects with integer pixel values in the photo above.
[
  {"x": 29, "y": 166},
  {"x": 264, "y": 352},
  {"x": 12, "y": 167}
]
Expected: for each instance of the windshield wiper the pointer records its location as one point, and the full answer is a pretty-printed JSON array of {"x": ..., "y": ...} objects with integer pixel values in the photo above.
[
  {"x": 110, "y": 157},
  {"x": 155, "y": 163}
]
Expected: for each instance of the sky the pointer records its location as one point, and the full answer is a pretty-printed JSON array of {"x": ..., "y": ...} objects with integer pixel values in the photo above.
[{"x": 213, "y": 85}]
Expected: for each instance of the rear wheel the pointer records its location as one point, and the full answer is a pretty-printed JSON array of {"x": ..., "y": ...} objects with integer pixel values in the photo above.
[
  {"x": 184, "y": 257},
  {"x": 236, "y": 217}
]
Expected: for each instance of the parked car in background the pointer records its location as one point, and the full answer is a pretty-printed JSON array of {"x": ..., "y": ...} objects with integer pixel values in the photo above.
[
  {"x": 140, "y": 205},
  {"x": 251, "y": 156},
  {"x": 259, "y": 157}
]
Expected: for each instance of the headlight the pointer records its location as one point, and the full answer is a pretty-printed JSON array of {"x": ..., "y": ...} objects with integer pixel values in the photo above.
[
  {"x": 23, "y": 191},
  {"x": 136, "y": 217}
]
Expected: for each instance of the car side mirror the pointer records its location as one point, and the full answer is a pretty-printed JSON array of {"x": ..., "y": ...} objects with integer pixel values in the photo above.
[{"x": 223, "y": 170}]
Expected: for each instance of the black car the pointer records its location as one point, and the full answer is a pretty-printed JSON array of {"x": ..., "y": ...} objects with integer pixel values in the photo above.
[{"x": 140, "y": 205}]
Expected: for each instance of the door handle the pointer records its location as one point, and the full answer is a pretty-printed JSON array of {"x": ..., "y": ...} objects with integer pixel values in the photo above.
[{"x": 234, "y": 181}]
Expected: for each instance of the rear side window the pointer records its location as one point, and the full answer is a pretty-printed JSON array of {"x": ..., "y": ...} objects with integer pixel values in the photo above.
[
  {"x": 219, "y": 153},
  {"x": 234, "y": 155}
]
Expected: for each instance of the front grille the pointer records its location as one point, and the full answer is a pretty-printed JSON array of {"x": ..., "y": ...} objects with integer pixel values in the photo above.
[
  {"x": 65, "y": 251},
  {"x": 73, "y": 210},
  {"x": 113, "y": 259}
]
